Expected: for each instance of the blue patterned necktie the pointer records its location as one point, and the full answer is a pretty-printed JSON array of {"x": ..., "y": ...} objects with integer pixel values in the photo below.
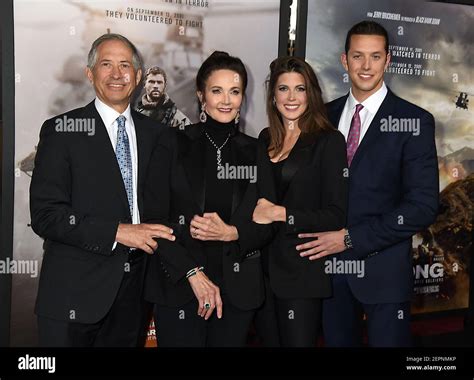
[{"x": 124, "y": 159}]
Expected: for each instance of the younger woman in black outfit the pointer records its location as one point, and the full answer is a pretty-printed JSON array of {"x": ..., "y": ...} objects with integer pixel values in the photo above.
[{"x": 303, "y": 178}]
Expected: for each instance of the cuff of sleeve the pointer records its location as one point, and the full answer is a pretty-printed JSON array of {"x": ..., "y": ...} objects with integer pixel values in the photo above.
[
  {"x": 244, "y": 230},
  {"x": 360, "y": 240}
]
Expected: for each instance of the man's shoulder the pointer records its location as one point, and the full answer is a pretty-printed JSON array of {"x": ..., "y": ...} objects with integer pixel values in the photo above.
[
  {"x": 71, "y": 114},
  {"x": 405, "y": 106},
  {"x": 336, "y": 102},
  {"x": 146, "y": 122},
  {"x": 75, "y": 118}
]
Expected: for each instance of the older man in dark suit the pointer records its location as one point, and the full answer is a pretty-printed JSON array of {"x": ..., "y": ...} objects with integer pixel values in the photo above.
[{"x": 86, "y": 200}]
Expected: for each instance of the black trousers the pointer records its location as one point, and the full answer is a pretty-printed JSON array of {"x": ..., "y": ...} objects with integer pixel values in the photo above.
[
  {"x": 298, "y": 321},
  {"x": 123, "y": 326},
  {"x": 183, "y": 327},
  {"x": 265, "y": 321}
]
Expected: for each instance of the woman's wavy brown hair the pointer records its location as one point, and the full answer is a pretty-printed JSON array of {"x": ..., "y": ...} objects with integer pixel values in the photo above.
[{"x": 313, "y": 120}]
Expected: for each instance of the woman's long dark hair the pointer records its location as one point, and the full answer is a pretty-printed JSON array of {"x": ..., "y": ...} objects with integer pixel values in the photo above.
[{"x": 313, "y": 120}]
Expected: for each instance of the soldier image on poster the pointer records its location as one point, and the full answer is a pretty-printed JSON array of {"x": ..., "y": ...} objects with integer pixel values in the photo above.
[{"x": 156, "y": 103}]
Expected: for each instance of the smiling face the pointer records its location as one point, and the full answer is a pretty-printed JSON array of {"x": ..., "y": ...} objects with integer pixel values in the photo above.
[
  {"x": 365, "y": 62},
  {"x": 155, "y": 86},
  {"x": 223, "y": 95},
  {"x": 113, "y": 75},
  {"x": 290, "y": 96}
]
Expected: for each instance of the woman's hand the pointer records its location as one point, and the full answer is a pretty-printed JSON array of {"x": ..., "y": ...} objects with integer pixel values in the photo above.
[
  {"x": 207, "y": 293},
  {"x": 211, "y": 227},
  {"x": 267, "y": 212}
]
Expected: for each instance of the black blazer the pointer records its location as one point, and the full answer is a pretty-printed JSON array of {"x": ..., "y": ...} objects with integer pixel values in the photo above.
[
  {"x": 175, "y": 192},
  {"x": 77, "y": 199},
  {"x": 315, "y": 198}
]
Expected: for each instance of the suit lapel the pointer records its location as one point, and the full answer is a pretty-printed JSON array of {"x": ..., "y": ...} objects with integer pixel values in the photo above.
[
  {"x": 101, "y": 147},
  {"x": 335, "y": 109},
  {"x": 143, "y": 155}
]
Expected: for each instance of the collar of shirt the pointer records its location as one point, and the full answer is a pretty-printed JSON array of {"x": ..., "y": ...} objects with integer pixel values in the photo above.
[
  {"x": 372, "y": 103},
  {"x": 109, "y": 117},
  {"x": 367, "y": 114}
]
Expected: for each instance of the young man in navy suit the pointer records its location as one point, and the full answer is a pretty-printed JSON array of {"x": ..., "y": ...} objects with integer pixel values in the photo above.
[{"x": 393, "y": 194}]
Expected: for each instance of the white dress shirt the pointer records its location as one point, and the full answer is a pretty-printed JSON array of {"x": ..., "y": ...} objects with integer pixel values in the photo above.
[
  {"x": 371, "y": 106},
  {"x": 109, "y": 117}
]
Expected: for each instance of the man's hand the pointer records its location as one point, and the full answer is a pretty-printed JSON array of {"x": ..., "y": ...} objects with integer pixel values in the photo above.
[
  {"x": 211, "y": 227},
  {"x": 206, "y": 292},
  {"x": 326, "y": 243},
  {"x": 141, "y": 235}
]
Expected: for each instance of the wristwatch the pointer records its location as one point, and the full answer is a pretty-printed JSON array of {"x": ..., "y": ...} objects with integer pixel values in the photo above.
[{"x": 347, "y": 240}]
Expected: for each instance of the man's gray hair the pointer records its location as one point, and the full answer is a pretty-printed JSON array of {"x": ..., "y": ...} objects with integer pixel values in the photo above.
[{"x": 92, "y": 56}]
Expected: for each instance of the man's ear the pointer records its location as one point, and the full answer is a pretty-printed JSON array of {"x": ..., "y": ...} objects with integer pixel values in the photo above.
[
  {"x": 138, "y": 77},
  {"x": 89, "y": 75},
  {"x": 389, "y": 58},
  {"x": 344, "y": 61}
]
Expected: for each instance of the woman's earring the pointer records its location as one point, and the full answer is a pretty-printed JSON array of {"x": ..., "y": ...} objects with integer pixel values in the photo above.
[
  {"x": 274, "y": 101},
  {"x": 202, "y": 115},
  {"x": 237, "y": 117}
]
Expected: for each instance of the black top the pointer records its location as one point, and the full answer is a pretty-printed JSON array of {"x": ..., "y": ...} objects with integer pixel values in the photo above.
[
  {"x": 277, "y": 168},
  {"x": 218, "y": 197}
]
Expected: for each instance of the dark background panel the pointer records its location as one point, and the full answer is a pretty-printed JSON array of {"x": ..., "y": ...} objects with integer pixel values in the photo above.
[{"x": 6, "y": 157}]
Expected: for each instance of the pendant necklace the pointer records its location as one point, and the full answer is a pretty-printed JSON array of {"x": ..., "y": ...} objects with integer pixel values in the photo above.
[{"x": 218, "y": 156}]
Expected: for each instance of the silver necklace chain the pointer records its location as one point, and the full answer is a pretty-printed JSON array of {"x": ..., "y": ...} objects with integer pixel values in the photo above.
[{"x": 219, "y": 157}]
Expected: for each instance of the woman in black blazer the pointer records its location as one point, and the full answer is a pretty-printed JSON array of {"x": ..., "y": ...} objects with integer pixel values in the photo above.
[
  {"x": 302, "y": 176},
  {"x": 202, "y": 183}
]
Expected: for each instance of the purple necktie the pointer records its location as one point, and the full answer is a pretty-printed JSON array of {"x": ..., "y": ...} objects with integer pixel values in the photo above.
[{"x": 354, "y": 134}]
